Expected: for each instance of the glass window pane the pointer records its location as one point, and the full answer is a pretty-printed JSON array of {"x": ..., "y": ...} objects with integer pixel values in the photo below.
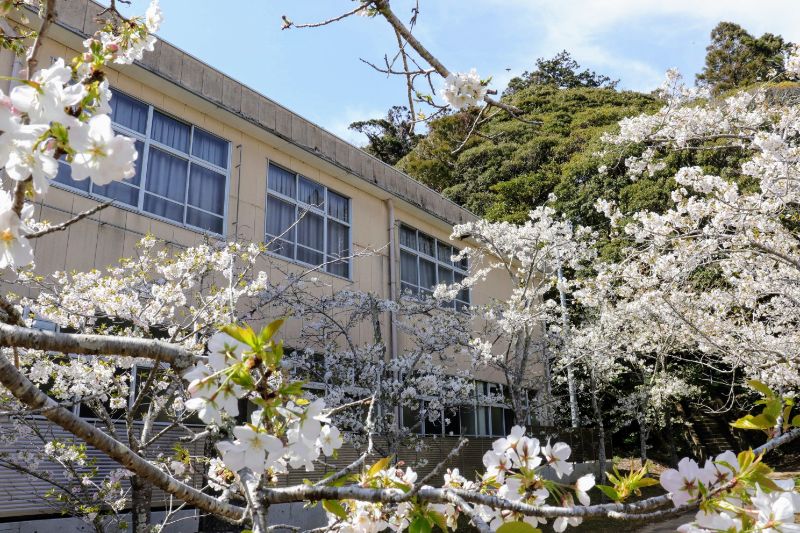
[
  {"x": 118, "y": 191},
  {"x": 497, "y": 422},
  {"x": 310, "y": 193},
  {"x": 338, "y": 206},
  {"x": 463, "y": 294},
  {"x": 281, "y": 181},
  {"x": 445, "y": 275},
  {"x": 427, "y": 274},
  {"x": 427, "y": 245},
  {"x": 433, "y": 427},
  {"x": 128, "y": 112},
  {"x": 203, "y": 220},
  {"x": 483, "y": 421},
  {"x": 408, "y": 268},
  {"x": 405, "y": 288},
  {"x": 411, "y": 418},
  {"x": 468, "y": 426},
  {"x": 207, "y": 189},
  {"x": 210, "y": 148},
  {"x": 163, "y": 208},
  {"x": 408, "y": 237},
  {"x": 64, "y": 176},
  {"x": 509, "y": 417},
  {"x": 463, "y": 264},
  {"x": 280, "y": 247},
  {"x": 338, "y": 239},
  {"x": 311, "y": 257},
  {"x": 310, "y": 231},
  {"x": 444, "y": 251},
  {"x": 166, "y": 175},
  {"x": 340, "y": 268},
  {"x": 452, "y": 422},
  {"x": 280, "y": 217},
  {"x": 169, "y": 131}
]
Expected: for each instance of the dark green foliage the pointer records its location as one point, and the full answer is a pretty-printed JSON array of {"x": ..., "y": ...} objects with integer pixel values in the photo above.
[
  {"x": 513, "y": 166},
  {"x": 390, "y": 138},
  {"x": 736, "y": 59}
]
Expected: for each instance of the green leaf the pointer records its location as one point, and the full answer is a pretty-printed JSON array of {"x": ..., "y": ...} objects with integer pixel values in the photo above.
[
  {"x": 611, "y": 492},
  {"x": 517, "y": 527},
  {"x": 379, "y": 465},
  {"x": 243, "y": 334},
  {"x": 754, "y": 422},
  {"x": 439, "y": 520},
  {"x": 270, "y": 330},
  {"x": 335, "y": 508},
  {"x": 762, "y": 388},
  {"x": 647, "y": 482},
  {"x": 420, "y": 525},
  {"x": 796, "y": 421}
]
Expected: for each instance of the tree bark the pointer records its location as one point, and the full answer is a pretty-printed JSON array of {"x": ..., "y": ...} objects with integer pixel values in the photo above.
[
  {"x": 573, "y": 392},
  {"x": 141, "y": 504},
  {"x": 601, "y": 431}
]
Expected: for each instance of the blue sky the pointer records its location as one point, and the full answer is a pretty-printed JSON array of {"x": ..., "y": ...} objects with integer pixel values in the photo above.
[{"x": 317, "y": 72}]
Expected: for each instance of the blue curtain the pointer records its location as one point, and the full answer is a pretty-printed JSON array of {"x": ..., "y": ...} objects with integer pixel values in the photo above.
[
  {"x": 169, "y": 131},
  {"x": 338, "y": 206},
  {"x": 210, "y": 148},
  {"x": 207, "y": 189},
  {"x": 311, "y": 193},
  {"x": 281, "y": 181},
  {"x": 166, "y": 175},
  {"x": 310, "y": 231},
  {"x": 280, "y": 216},
  {"x": 128, "y": 112}
]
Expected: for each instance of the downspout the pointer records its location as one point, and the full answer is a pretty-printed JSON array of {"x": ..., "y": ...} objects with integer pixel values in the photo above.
[
  {"x": 238, "y": 195},
  {"x": 393, "y": 292}
]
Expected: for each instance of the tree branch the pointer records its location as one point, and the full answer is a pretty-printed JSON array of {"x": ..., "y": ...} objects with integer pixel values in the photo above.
[{"x": 68, "y": 223}]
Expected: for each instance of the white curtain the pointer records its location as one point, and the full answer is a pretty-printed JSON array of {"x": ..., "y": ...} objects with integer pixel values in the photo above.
[
  {"x": 338, "y": 206},
  {"x": 281, "y": 181}
]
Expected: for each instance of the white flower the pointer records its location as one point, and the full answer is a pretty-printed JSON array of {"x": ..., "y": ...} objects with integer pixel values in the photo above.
[
  {"x": 560, "y": 523},
  {"x": 207, "y": 410},
  {"x": 525, "y": 453},
  {"x": 178, "y": 468},
  {"x": 46, "y": 103},
  {"x": 222, "y": 346},
  {"x": 22, "y": 158},
  {"x": 503, "y": 444},
  {"x": 258, "y": 444},
  {"x": 153, "y": 17},
  {"x": 496, "y": 464},
  {"x": 776, "y": 512},
  {"x": 234, "y": 455},
  {"x": 583, "y": 485},
  {"x": 15, "y": 251},
  {"x": 102, "y": 155},
  {"x": 683, "y": 483},
  {"x": 330, "y": 439},
  {"x": 463, "y": 90},
  {"x": 556, "y": 457}
]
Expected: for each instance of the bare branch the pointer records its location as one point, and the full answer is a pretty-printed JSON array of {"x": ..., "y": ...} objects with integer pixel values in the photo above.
[
  {"x": 21, "y": 337},
  {"x": 64, "y": 225},
  {"x": 287, "y": 23}
]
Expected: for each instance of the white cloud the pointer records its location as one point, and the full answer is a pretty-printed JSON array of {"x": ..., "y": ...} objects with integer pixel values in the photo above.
[
  {"x": 338, "y": 123},
  {"x": 593, "y": 29}
]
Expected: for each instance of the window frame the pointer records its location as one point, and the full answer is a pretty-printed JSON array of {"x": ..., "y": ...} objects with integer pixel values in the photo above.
[
  {"x": 303, "y": 207},
  {"x": 190, "y": 159},
  {"x": 463, "y": 271}
]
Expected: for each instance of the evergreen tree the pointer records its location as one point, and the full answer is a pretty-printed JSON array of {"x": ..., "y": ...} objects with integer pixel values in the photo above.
[
  {"x": 736, "y": 59},
  {"x": 391, "y": 138},
  {"x": 560, "y": 71}
]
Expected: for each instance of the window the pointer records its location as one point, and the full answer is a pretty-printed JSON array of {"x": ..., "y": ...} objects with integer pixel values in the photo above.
[
  {"x": 426, "y": 262},
  {"x": 489, "y": 414},
  {"x": 307, "y": 222},
  {"x": 181, "y": 172}
]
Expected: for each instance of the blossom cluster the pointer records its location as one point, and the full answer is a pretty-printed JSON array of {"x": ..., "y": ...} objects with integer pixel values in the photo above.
[
  {"x": 462, "y": 90},
  {"x": 761, "y": 505},
  {"x": 62, "y": 112},
  {"x": 291, "y": 433}
]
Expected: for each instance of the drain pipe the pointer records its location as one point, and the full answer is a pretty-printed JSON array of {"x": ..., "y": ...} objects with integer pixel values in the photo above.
[{"x": 393, "y": 294}]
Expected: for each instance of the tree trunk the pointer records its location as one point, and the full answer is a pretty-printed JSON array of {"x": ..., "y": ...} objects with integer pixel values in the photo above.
[
  {"x": 141, "y": 503},
  {"x": 601, "y": 431},
  {"x": 643, "y": 430},
  {"x": 573, "y": 392}
]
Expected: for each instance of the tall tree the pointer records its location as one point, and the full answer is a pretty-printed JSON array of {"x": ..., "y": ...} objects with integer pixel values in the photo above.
[
  {"x": 734, "y": 58},
  {"x": 562, "y": 71},
  {"x": 390, "y": 138}
]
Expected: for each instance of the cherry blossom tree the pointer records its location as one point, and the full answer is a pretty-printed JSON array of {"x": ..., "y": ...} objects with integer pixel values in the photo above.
[{"x": 184, "y": 316}]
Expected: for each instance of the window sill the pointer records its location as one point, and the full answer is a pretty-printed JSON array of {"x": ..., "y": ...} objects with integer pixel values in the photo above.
[{"x": 136, "y": 210}]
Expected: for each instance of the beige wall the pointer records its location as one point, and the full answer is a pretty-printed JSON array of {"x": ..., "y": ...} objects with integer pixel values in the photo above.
[{"x": 113, "y": 233}]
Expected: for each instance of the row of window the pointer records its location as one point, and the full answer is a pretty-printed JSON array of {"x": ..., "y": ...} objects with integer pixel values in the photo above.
[
  {"x": 182, "y": 175},
  {"x": 488, "y": 416}
]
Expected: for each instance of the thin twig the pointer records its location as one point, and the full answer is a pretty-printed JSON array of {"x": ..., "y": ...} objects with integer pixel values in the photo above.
[{"x": 64, "y": 225}]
